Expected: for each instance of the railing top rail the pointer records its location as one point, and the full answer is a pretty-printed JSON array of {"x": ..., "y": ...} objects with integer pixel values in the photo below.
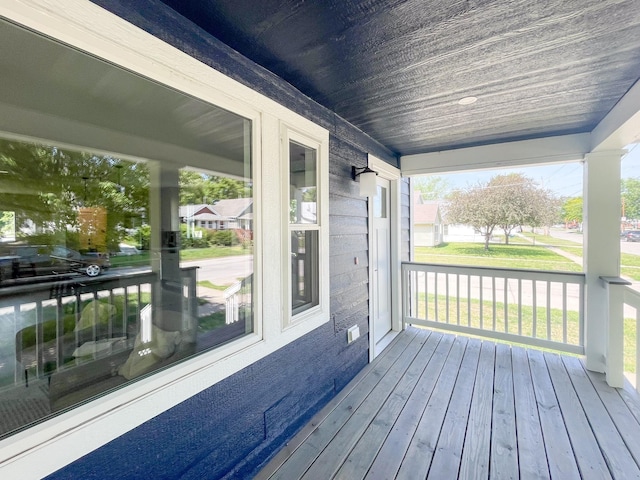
[
  {"x": 631, "y": 297},
  {"x": 578, "y": 277},
  {"x": 41, "y": 291}
]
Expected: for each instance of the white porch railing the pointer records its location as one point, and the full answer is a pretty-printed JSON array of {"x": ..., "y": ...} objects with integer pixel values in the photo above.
[
  {"x": 33, "y": 317},
  {"x": 538, "y": 308},
  {"x": 624, "y": 333}
]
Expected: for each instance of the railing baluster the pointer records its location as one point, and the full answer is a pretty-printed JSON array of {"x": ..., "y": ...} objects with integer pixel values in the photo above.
[
  {"x": 458, "y": 298},
  {"x": 468, "y": 277},
  {"x": 548, "y": 310},
  {"x": 39, "y": 340},
  {"x": 519, "y": 306},
  {"x": 506, "y": 305},
  {"x": 564, "y": 312},
  {"x": 481, "y": 302},
  {"x": 435, "y": 297},
  {"x": 446, "y": 293},
  {"x": 494, "y": 307},
  {"x": 534, "y": 321}
]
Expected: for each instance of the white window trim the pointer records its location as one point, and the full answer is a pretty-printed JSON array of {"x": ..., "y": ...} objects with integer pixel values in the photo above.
[
  {"x": 49, "y": 446},
  {"x": 319, "y": 141}
]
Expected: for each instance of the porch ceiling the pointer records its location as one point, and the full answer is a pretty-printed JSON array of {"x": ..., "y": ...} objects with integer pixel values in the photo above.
[{"x": 396, "y": 69}]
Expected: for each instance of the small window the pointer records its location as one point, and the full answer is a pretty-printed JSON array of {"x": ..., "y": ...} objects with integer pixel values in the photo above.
[{"x": 304, "y": 225}]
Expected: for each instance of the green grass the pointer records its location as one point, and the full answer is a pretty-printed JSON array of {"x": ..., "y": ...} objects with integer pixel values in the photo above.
[
  {"x": 208, "y": 284},
  {"x": 212, "y": 321},
  {"x": 549, "y": 240},
  {"x": 507, "y": 256}
]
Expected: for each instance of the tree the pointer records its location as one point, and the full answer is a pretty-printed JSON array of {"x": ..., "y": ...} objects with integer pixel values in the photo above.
[
  {"x": 432, "y": 188},
  {"x": 505, "y": 202},
  {"x": 572, "y": 210},
  {"x": 475, "y": 207},
  {"x": 630, "y": 192}
]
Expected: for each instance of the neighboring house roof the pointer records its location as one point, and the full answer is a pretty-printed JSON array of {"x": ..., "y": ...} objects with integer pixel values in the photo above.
[
  {"x": 193, "y": 210},
  {"x": 232, "y": 207},
  {"x": 227, "y": 209},
  {"x": 426, "y": 213}
]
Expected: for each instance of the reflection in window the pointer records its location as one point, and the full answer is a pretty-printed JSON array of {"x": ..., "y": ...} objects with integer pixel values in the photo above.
[
  {"x": 97, "y": 286},
  {"x": 303, "y": 179},
  {"x": 304, "y": 270}
]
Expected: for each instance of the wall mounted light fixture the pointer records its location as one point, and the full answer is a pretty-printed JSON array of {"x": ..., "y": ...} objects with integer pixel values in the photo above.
[{"x": 367, "y": 179}]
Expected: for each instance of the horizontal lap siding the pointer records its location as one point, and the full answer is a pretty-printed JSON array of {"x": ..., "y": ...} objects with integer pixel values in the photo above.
[{"x": 232, "y": 428}]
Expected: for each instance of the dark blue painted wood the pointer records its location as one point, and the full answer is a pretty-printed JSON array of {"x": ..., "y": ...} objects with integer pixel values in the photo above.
[
  {"x": 396, "y": 68},
  {"x": 156, "y": 18},
  {"x": 234, "y": 427}
]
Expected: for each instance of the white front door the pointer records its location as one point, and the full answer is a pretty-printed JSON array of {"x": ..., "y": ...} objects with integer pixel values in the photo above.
[{"x": 381, "y": 264}]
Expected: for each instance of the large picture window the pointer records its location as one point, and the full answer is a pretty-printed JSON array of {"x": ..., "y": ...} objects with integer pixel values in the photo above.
[{"x": 117, "y": 265}]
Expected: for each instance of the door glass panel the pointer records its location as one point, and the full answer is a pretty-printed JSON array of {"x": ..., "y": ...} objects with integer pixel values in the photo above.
[{"x": 380, "y": 203}]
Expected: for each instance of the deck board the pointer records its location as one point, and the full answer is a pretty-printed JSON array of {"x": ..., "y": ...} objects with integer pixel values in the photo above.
[
  {"x": 436, "y": 405},
  {"x": 422, "y": 447},
  {"x": 620, "y": 462},
  {"x": 448, "y": 454},
  {"x": 335, "y": 452},
  {"x": 477, "y": 442},
  {"x": 585, "y": 446},
  {"x": 562, "y": 463},
  {"x": 503, "y": 458},
  {"x": 368, "y": 445},
  {"x": 532, "y": 459},
  {"x": 390, "y": 456}
]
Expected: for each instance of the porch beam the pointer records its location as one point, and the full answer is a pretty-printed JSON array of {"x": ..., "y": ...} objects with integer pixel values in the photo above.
[
  {"x": 563, "y": 148},
  {"x": 621, "y": 126},
  {"x": 601, "y": 239}
]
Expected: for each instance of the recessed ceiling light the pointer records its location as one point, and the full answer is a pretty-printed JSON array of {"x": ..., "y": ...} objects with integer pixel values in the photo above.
[{"x": 467, "y": 100}]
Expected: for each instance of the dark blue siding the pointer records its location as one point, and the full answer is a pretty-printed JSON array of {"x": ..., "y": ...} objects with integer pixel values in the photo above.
[{"x": 233, "y": 428}]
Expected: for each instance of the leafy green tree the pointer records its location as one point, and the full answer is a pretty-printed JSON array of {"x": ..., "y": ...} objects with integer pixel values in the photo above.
[
  {"x": 47, "y": 186},
  {"x": 630, "y": 192},
  {"x": 572, "y": 210},
  {"x": 505, "y": 202},
  {"x": 431, "y": 187},
  {"x": 476, "y": 207}
]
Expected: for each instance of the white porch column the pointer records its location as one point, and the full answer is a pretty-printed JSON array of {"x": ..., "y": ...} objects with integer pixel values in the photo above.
[
  {"x": 164, "y": 196},
  {"x": 601, "y": 247}
]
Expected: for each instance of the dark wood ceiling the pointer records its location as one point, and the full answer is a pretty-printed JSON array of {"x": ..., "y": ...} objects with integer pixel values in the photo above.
[{"x": 397, "y": 68}]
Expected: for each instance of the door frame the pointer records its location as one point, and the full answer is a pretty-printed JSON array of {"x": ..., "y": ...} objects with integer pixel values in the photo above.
[{"x": 392, "y": 174}]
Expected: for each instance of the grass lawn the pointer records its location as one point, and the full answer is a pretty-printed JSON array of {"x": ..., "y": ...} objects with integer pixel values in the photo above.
[
  {"x": 507, "y": 256},
  {"x": 208, "y": 284},
  {"x": 549, "y": 240}
]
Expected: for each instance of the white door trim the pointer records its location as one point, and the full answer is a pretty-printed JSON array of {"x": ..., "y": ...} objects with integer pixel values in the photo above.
[{"x": 392, "y": 174}]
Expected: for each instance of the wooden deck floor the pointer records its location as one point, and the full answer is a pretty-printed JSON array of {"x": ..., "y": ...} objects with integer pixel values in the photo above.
[{"x": 438, "y": 406}]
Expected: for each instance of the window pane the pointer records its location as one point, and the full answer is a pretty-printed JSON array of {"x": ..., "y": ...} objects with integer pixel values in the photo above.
[
  {"x": 304, "y": 270},
  {"x": 107, "y": 272},
  {"x": 380, "y": 203},
  {"x": 303, "y": 184}
]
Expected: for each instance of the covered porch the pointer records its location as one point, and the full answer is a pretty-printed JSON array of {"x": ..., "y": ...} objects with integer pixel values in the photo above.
[{"x": 436, "y": 405}]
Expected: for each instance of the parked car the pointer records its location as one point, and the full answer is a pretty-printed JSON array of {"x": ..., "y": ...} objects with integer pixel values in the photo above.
[
  {"x": 33, "y": 260},
  {"x": 631, "y": 236},
  {"x": 127, "y": 250}
]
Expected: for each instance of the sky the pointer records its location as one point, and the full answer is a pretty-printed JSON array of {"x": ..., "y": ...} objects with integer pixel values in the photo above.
[{"x": 564, "y": 179}]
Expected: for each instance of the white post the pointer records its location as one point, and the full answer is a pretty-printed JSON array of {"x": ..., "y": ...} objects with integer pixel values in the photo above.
[
  {"x": 601, "y": 216},
  {"x": 614, "y": 287}
]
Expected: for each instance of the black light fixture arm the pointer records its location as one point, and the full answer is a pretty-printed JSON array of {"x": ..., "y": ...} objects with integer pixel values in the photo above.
[{"x": 355, "y": 171}]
